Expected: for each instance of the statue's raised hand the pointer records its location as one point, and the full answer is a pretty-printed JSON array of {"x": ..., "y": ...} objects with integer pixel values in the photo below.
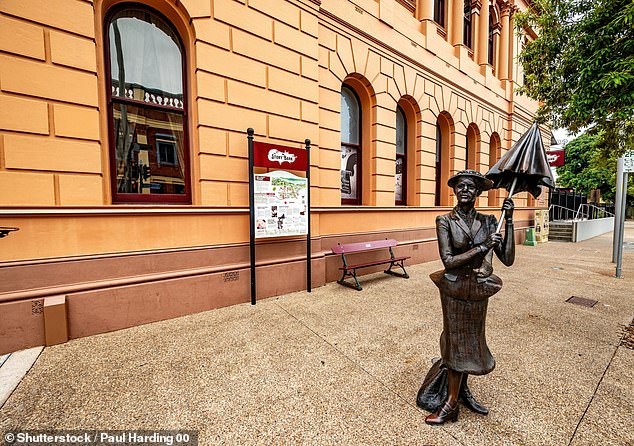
[{"x": 493, "y": 240}]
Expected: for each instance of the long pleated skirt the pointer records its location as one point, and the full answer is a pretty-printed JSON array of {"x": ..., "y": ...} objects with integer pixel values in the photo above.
[{"x": 463, "y": 345}]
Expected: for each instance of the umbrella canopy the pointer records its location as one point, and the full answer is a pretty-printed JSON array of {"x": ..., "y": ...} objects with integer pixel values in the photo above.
[{"x": 524, "y": 168}]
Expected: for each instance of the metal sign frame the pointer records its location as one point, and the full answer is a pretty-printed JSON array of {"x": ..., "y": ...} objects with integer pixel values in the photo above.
[{"x": 281, "y": 158}]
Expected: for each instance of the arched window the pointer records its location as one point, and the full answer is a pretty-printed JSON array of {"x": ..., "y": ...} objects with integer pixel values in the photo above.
[
  {"x": 467, "y": 147},
  {"x": 147, "y": 105},
  {"x": 439, "y": 12},
  {"x": 491, "y": 47},
  {"x": 472, "y": 147},
  {"x": 494, "y": 154},
  {"x": 439, "y": 142},
  {"x": 400, "y": 191},
  {"x": 467, "y": 29},
  {"x": 350, "y": 147}
]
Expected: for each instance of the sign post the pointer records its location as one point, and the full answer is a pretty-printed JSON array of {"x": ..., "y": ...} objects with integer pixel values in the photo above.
[
  {"x": 627, "y": 161},
  {"x": 618, "y": 195},
  {"x": 250, "y": 132},
  {"x": 279, "y": 201}
]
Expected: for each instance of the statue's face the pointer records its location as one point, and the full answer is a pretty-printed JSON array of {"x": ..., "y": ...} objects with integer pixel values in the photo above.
[{"x": 466, "y": 190}]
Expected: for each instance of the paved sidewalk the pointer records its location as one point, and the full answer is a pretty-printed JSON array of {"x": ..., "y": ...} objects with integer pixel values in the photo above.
[{"x": 340, "y": 367}]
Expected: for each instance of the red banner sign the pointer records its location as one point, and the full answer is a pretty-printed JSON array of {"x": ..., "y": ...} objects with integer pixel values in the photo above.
[
  {"x": 556, "y": 158},
  {"x": 280, "y": 157}
]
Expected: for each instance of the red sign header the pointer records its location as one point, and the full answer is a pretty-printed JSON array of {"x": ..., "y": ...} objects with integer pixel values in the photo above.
[
  {"x": 281, "y": 157},
  {"x": 556, "y": 158}
]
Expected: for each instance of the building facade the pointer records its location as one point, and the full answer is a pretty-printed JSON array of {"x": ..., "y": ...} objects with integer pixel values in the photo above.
[{"x": 123, "y": 145}]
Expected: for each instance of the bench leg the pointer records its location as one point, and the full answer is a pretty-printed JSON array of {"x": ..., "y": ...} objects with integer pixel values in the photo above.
[
  {"x": 399, "y": 264},
  {"x": 342, "y": 281}
]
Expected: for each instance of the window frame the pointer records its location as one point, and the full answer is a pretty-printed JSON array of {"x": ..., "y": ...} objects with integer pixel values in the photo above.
[
  {"x": 439, "y": 12},
  {"x": 140, "y": 198},
  {"x": 491, "y": 40},
  {"x": 466, "y": 155},
  {"x": 467, "y": 25},
  {"x": 438, "y": 168},
  {"x": 403, "y": 156},
  {"x": 359, "y": 200}
]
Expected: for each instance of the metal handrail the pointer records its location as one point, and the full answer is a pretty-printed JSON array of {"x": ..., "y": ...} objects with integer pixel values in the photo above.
[
  {"x": 596, "y": 211},
  {"x": 558, "y": 209},
  {"x": 582, "y": 213}
]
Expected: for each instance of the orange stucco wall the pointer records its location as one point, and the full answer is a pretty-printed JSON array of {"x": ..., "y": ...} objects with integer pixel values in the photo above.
[{"x": 274, "y": 65}]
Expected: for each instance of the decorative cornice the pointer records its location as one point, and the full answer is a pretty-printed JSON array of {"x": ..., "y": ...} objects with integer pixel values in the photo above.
[
  {"x": 329, "y": 15},
  {"x": 508, "y": 8}
]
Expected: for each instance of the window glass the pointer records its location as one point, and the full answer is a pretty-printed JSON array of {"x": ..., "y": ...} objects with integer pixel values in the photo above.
[
  {"x": 400, "y": 132},
  {"x": 349, "y": 117},
  {"x": 467, "y": 148},
  {"x": 149, "y": 153},
  {"x": 439, "y": 12},
  {"x": 490, "y": 46},
  {"x": 438, "y": 164},
  {"x": 145, "y": 59},
  {"x": 149, "y": 157},
  {"x": 350, "y": 147},
  {"x": 401, "y": 148},
  {"x": 467, "y": 32}
]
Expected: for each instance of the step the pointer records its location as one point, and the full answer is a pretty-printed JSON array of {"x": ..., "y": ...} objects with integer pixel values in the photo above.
[
  {"x": 559, "y": 239},
  {"x": 560, "y": 231},
  {"x": 560, "y": 224}
]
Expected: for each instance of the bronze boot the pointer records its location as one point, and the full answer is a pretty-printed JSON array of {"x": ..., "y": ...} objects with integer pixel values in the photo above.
[
  {"x": 467, "y": 399},
  {"x": 446, "y": 412}
]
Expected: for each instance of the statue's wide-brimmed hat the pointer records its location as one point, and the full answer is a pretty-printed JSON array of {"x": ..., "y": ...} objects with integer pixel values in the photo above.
[{"x": 480, "y": 180}]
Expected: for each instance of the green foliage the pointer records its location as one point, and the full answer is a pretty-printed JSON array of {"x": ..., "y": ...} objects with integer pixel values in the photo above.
[
  {"x": 581, "y": 66},
  {"x": 588, "y": 167},
  {"x": 585, "y": 169}
]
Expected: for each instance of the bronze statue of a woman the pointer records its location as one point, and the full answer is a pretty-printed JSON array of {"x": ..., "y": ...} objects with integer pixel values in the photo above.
[{"x": 466, "y": 241}]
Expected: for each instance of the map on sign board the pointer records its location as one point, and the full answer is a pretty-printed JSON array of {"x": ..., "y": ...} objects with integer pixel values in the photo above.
[
  {"x": 280, "y": 204},
  {"x": 628, "y": 161}
]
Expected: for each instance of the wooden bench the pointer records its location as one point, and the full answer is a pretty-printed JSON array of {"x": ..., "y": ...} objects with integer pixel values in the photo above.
[{"x": 351, "y": 270}]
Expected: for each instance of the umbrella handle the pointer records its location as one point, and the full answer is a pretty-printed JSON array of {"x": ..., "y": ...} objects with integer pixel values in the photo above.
[{"x": 511, "y": 192}]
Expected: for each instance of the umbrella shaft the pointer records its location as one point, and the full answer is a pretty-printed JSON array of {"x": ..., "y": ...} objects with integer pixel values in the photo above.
[{"x": 511, "y": 192}]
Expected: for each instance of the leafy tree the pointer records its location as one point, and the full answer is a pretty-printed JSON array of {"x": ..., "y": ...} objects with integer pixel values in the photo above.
[
  {"x": 581, "y": 67},
  {"x": 587, "y": 167}
]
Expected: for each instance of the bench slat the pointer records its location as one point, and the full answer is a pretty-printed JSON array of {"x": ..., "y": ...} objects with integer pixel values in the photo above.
[{"x": 363, "y": 246}]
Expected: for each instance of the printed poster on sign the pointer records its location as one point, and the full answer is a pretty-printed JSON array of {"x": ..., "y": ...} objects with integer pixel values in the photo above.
[{"x": 280, "y": 204}]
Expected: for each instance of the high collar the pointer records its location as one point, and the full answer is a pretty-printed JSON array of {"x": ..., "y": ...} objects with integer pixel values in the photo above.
[
  {"x": 475, "y": 226},
  {"x": 471, "y": 214}
]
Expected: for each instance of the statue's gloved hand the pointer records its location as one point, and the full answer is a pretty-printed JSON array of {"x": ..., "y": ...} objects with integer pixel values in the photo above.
[
  {"x": 493, "y": 240},
  {"x": 508, "y": 206}
]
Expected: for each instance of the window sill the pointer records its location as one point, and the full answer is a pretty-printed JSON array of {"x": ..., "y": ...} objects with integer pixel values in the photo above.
[{"x": 442, "y": 32}]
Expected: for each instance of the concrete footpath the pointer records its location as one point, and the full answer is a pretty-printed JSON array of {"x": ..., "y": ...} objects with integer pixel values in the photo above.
[{"x": 341, "y": 367}]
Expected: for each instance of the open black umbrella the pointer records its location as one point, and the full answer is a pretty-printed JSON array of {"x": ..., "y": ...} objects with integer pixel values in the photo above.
[{"x": 524, "y": 168}]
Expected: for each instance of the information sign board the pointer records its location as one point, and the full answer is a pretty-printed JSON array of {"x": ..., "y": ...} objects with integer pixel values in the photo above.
[
  {"x": 280, "y": 204},
  {"x": 628, "y": 161}
]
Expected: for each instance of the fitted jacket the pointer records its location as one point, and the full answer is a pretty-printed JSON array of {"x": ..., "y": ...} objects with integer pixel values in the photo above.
[{"x": 468, "y": 268}]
